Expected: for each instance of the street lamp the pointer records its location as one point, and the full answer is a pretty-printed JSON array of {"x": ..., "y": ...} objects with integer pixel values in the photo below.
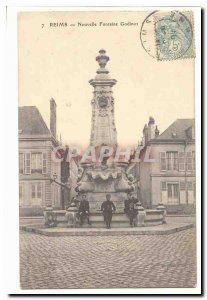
[
  {"x": 62, "y": 185},
  {"x": 54, "y": 176}
]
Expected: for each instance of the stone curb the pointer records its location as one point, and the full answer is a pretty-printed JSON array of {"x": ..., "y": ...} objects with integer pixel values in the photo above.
[{"x": 104, "y": 232}]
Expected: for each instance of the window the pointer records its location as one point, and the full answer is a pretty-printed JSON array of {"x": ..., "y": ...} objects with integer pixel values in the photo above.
[
  {"x": 190, "y": 161},
  {"x": 32, "y": 163},
  {"x": 169, "y": 160},
  {"x": 181, "y": 161},
  {"x": 36, "y": 193},
  {"x": 21, "y": 163},
  {"x": 36, "y": 163},
  {"x": 173, "y": 193},
  {"x": 163, "y": 161},
  {"x": 189, "y": 133},
  {"x": 172, "y": 160},
  {"x": 27, "y": 165}
]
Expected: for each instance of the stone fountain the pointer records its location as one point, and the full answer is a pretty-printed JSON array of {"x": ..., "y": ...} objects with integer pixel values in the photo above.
[{"x": 99, "y": 178}]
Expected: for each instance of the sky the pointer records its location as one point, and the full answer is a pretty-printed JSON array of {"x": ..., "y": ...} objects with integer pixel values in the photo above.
[{"x": 57, "y": 62}]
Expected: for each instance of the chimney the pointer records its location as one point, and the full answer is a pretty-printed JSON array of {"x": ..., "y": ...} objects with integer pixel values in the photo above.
[
  {"x": 53, "y": 117},
  {"x": 151, "y": 128},
  {"x": 145, "y": 135}
]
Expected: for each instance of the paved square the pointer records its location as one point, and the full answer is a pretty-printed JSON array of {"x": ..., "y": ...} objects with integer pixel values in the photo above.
[{"x": 108, "y": 261}]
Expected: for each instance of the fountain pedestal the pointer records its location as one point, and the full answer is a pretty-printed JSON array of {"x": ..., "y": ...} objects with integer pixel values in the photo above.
[{"x": 98, "y": 180}]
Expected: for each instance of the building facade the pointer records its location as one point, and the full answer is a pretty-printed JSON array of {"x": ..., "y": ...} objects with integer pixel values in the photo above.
[
  {"x": 36, "y": 166},
  {"x": 167, "y": 174}
]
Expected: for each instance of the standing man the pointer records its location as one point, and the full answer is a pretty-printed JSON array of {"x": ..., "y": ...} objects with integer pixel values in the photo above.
[
  {"x": 129, "y": 209},
  {"x": 108, "y": 207},
  {"x": 83, "y": 210}
]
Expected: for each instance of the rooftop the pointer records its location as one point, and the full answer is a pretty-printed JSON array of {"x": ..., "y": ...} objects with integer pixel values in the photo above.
[
  {"x": 31, "y": 121},
  {"x": 180, "y": 129}
]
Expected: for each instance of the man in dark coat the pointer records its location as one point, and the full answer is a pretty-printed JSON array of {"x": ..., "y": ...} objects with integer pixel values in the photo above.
[
  {"x": 108, "y": 207},
  {"x": 129, "y": 209},
  {"x": 83, "y": 210}
]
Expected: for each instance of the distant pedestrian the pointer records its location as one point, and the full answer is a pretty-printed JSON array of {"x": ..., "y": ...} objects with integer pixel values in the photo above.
[
  {"x": 83, "y": 210},
  {"x": 129, "y": 209},
  {"x": 108, "y": 208}
]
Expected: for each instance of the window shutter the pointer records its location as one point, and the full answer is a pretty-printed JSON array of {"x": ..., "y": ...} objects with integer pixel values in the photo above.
[
  {"x": 33, "y": 190},
  {"x": 27, "y": 165},
  {"x": 182, "y": 185},
  {"x": 194, "y": 190},
  {"x": 163, "y": 161},
  {"x": 163, "y": 186},
  {"x": 39, "y": 190},
  {"x": 189, "y": 161},
  {"x": 23, "y": 158},
  {"x": 193, "y": 160},
  {"x": 21, "y": 163},
  {"x": 181, "y": 161},
  {"x": 33, "y": 161},
  {"x": 176, "y": 161},
  {"x": 190, "y": 185},
  {"x": 21, "y": 194},
  {"x": 44, "y": 163}
]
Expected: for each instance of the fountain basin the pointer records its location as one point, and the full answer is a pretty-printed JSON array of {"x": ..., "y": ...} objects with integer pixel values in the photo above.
[{"x": 152, "y": 217}]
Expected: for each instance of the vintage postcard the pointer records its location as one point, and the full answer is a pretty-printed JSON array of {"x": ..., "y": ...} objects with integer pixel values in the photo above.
[{"x": 107, "y": 141}]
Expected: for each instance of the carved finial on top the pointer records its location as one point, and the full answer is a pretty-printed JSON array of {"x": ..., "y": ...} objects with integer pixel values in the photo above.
[
  {"x": 151, "y": 120},
  {"x": 157, "y": 132},
  {"x": 102, "y": 58},
  {"x": 102, "y": 74}
]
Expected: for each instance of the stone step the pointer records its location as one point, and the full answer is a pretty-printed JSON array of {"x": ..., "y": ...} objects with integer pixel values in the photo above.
[
  {"x": 98, "y": 217},
  {"x": 119, "y": 219},
  {"x": 84, "y": 231},
  {"x": 96, "y": 225}
]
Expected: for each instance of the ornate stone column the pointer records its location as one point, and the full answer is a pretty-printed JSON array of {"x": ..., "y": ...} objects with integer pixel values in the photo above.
[{"x": 103, "y": 130}]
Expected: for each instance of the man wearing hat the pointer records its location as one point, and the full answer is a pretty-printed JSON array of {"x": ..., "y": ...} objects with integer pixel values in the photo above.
[
  {"x": 83, "y": 210},
  {"x": 129, "y": 209},
  {"x": 108, "y": 207}
]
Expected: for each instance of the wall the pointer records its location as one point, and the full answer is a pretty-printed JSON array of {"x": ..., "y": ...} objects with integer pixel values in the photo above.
[
  {"x": 50, "y": 194},
  {"x": 151, "y": 178}
]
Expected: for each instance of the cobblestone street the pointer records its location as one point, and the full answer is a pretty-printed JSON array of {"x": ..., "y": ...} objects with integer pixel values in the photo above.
[{"x": 108, "y": 261}]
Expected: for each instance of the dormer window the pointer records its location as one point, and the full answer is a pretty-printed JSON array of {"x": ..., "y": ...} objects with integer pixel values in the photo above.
[
  {"x": 174, "y": 134},
  {"x": 189, "y": 133}
]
